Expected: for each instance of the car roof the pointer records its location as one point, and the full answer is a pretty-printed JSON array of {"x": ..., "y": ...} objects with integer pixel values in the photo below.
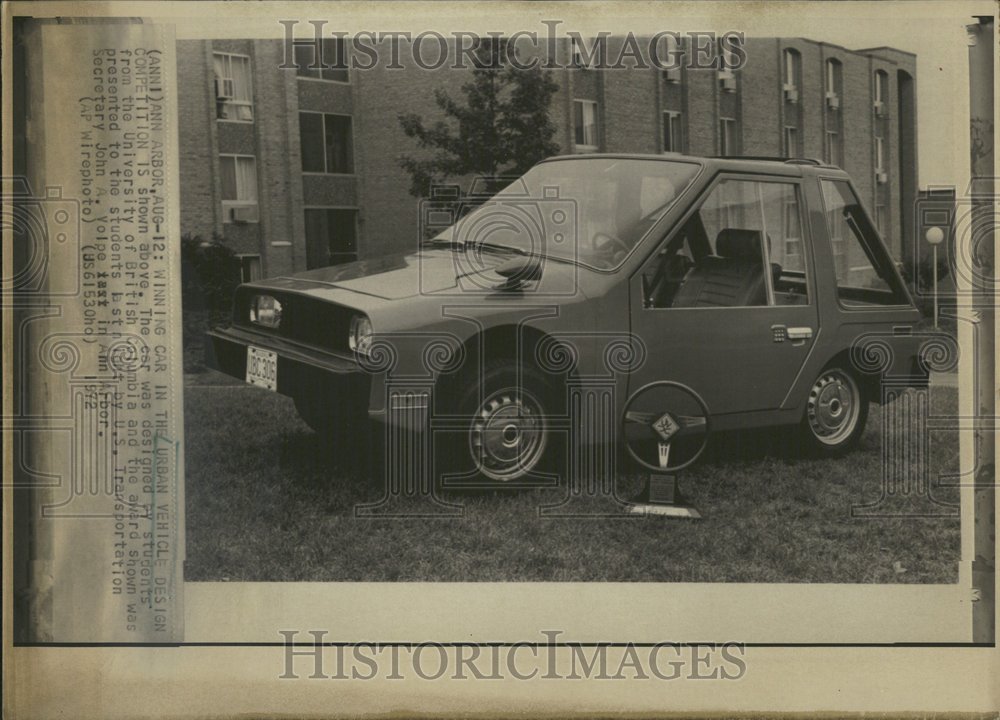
[{"x": 736, "y": 163}]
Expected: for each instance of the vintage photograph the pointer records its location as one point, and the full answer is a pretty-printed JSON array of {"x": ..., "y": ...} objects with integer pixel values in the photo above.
[
  {"x": 574, "y": 265},
  {"x": 532, "y": 342}
]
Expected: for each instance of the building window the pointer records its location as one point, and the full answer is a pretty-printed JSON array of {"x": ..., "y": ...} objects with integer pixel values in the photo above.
[
  {"x": 327, "y": 143},
  {"x": 673, "y": 139},
  {"x": 582, "y": 57},
  {"x": 726, "y": 63},
  {"x": 249, "y": 268},
  {"x": 879, "y": 155},
  {"x": 728, "y": 137},
  {"x": 728, "y": 57},
  {"x": 233, "y": 94},
  {"x": 791, "y": 73},
  {"x": 833, "y": 84},
  {"x": 331, "y": 236},
  {"x": 331, "y": 65},
  {"x": 672, "y": 59},
  {"x": 239, "y": 188},
  {"x": 585, "y": 125},
  {"x": 881, "y": 91},
  {"x": 832, "y": 148},
  {"x": 791, "y": 141}
]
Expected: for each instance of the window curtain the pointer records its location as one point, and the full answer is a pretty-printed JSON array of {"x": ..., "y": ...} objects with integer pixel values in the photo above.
[
  {"x": 227, "y": 168},
  {"x": 240, "y": 69},
  {"x": 246, "y": 179}
]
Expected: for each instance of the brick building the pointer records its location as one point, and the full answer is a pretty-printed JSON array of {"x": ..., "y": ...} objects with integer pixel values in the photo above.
[{"x": 300, "y": 168}]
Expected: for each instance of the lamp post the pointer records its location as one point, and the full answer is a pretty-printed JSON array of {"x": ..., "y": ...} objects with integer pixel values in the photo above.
[{"x": 934, "y": 237}]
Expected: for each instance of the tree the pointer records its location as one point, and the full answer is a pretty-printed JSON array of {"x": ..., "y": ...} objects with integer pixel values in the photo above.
[{"x": 503, "y": 127}]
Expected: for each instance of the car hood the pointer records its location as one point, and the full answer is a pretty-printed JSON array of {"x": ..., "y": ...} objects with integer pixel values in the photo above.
[{"x": 427, "y": 272}]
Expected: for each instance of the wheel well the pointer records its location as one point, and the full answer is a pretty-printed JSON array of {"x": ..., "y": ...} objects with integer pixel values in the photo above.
[
  {"x": 502, "y": 342},
  {"x": 868, "y": 382}
]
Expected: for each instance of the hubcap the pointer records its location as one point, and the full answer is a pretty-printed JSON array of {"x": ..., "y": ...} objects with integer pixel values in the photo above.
[
  {"x": 508, "y": 434},
  {"x": 834, "y": 405}
]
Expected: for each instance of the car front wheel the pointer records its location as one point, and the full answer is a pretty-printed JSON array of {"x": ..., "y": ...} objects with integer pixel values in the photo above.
[
  {"x": 836, "y": 413},
  {"x": 508, "y": 436}
]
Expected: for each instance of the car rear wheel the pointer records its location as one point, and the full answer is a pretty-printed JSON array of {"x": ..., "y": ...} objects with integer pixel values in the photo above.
[
  {"x": 836, "y": 413},
  {"x": 507, "y": 436}
]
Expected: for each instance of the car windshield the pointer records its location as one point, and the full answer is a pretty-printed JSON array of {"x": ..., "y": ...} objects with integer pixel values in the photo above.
[{"x": 587, "y": 210}]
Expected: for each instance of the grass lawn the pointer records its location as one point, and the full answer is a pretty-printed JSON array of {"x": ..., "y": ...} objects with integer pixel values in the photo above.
[{"x": 266, "y": 503}]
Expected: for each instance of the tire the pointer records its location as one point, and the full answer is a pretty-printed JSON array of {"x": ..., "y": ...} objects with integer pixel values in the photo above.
[
  {"x": 836, "y": 413},
  {"x": 507, "y": 436}
]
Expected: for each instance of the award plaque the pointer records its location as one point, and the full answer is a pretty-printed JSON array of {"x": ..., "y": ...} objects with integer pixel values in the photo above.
[{"x": 678, "y": 414}]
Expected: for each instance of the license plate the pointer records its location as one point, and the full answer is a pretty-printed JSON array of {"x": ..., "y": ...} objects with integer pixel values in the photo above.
[{"x": 262, "y": 368}]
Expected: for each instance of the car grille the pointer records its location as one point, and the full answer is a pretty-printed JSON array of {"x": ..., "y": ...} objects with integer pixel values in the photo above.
[{"x": 306, "y": 320}]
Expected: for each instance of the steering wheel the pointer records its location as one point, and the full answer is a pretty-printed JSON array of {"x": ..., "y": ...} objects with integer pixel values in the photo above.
[
  {"x": 664, "y": 425},
  {"x": 610, "y": 246}
]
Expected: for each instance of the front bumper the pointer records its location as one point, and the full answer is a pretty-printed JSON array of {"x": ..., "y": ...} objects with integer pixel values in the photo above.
[{"x": 303, "y": 372}]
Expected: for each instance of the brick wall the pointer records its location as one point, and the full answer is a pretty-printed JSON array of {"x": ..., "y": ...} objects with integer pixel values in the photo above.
[
  {"x": 761, "y": 95},
  {"x": 702, "y": 115},
  {"x": 629, "y": 100},
  {"x": 196, "y": 113},
  {"x": 630, "y": 111},
  {"x": 279, "y": 163},
  {"x": 811, "y": 98},
  {"x": 856, "y": 105}
]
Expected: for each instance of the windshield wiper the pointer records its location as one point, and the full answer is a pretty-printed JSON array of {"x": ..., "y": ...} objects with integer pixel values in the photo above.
[
  {"x": 453, "y": 245},
  {"x": 503, "y": 248}
]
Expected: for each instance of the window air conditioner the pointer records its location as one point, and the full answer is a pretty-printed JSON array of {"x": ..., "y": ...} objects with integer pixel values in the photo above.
[
  {"x": 244, "y": 214},
  {"x": 791, "y": 93},
  {"x": 224, "y": 89}
]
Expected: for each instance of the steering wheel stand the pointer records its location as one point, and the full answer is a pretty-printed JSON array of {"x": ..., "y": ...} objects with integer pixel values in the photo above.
[{"x": 661, "y": 494}]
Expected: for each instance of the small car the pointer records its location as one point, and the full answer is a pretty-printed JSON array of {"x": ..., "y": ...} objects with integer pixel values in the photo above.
[{"x": 749, "y": 281}]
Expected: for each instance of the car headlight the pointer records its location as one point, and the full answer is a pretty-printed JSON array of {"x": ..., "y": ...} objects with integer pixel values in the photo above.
[
  {"x": 265, "y": 310},
  {"x": 360, "y": 339}
]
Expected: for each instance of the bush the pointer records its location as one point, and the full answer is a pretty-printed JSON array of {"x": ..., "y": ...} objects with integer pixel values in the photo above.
[{"x": 210, "y": 273}]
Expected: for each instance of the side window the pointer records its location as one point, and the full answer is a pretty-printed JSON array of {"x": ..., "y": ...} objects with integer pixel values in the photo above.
[
  {"x": 785, "y": 242},
  {"x": 862, "y": 266},
  {"x": 742, "y": 248}
]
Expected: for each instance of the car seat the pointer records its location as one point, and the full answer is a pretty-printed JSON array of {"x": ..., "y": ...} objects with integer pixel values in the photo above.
[{"x": 732, "y": 277}]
